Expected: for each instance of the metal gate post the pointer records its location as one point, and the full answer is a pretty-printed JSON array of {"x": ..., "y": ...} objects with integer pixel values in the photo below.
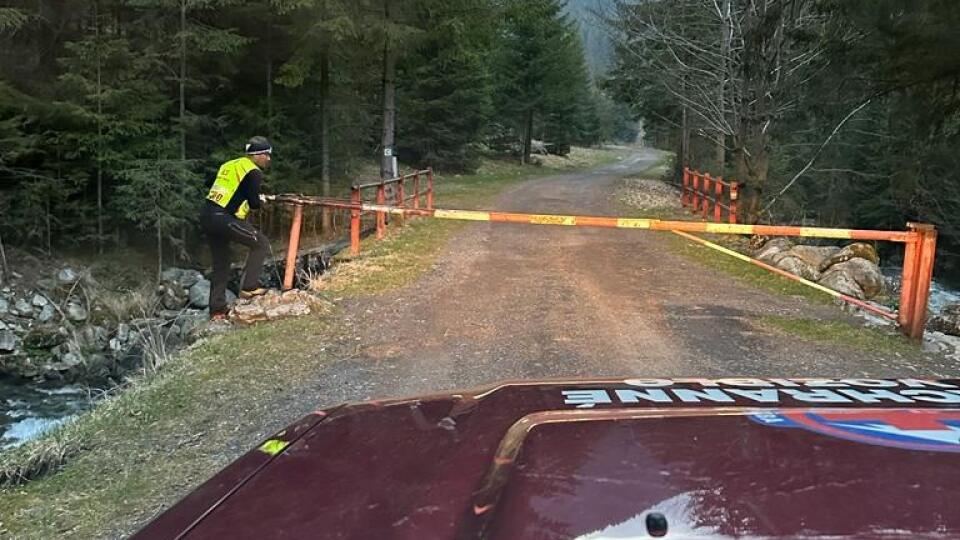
[
  {"x": 706, "y": 195},
  {"x": 416, "y": 190},
  {"x": 430, "y": 188},
  {"x": 293, "y": 248},
  {"x": 400, "y": 201},
  {"x": 355, "y": 221},
  {"x": 734, "y": 195},
  {"x": 381, "y": 216},
  {"x": 696, "y": 192},
  {"x": 924, "y": 276},
  {"x": 717, "y": 216}
]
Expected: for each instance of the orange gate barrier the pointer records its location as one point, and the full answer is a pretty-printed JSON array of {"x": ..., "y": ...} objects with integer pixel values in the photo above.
[
  {"x": 920, "y": 240},
  {"x": 699, "y": 190}
]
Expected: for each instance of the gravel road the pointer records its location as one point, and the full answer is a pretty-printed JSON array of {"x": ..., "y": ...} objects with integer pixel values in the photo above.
[{"x": 508, "y": 302}]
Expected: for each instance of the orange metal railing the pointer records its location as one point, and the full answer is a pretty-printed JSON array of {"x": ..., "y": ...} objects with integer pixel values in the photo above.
[{"x": 699, "y": 191}]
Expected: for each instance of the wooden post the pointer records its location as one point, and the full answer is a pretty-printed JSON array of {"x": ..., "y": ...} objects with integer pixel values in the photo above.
[
  {"x": 381, "y": 216},
  {"x": 684, "y": 191},
  {"x": 924, "y": 277},
  {"x": 696, "y": 192},
  {"x": 430, "y": 188},
  {"x": 293, "y": 247},
  {"x": 717, "y": 216},
  {"x": 734, "y": 196},
  {"x": 908, "y": 283},
  {"x": 706, "y": 195},
  {"x": 355, "y": 221},
  {"x": 416, "y": 190}
]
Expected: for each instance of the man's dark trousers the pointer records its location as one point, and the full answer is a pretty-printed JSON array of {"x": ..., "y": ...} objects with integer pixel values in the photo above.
[{"x": 222, "y": 229}]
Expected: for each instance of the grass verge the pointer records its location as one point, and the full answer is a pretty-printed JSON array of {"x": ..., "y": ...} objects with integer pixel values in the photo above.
[
  {"x": 135, "y": 453},
  {"x": 841, "y": 333}
]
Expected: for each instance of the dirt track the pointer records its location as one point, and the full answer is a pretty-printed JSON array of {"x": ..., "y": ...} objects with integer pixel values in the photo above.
[{"x": 518, "y": 302}]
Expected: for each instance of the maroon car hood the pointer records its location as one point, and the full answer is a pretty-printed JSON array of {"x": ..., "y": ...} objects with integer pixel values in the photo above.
[{"x": 592, "y": 459}]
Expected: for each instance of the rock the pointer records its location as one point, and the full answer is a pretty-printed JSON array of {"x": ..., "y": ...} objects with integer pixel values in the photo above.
[
  {"x": 39, "y": 300},
  {"x": 172, "y": 295},
  {"x": 170, "y": 274},
  {"x": 47, "y": 313},
  {"x": 42, "y": 338},
  {"x": 23, "y": 308},
  {"x": 71, "y": 360},
  {"x": 76, "y": 312},
  {"x": 4, "y": 306},
  {"x": 188, "y": 278},
  {"x": 115, "y": 345},
  {"x": 248, "y": 313},
  {"x": 770, "y": 251},
  {"x": 858, "y": 250},
  {"x": 200, "y": 294},
  {"x": 866, "y": 274},
  {"x": 94, "y": 337},
  {"x": 67, "y": 276},
  {"x": 46, "y": 284},
  {"x": 123, "y": 332},
  {"x": 296, "y": 309},
  {"x": 189, "y": 323},
  {"x": 814, "y": 255},
  {"x": 948, "y": 321},
  {"x": 231, "y": 297},
  {"x": 8, "y": 342},
  {"x": 841, "y": 282},
  {"x": 797, "y": 266}
]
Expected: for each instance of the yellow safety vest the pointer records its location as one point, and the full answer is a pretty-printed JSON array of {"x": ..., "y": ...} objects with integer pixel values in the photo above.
[{"x": 228, "y": 181}]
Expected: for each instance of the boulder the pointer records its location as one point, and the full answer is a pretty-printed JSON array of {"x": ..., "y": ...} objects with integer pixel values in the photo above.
[
  {"x": 4, "y": 306},
  {"x": 71, "y": 360},
  {"x": 76, "y": 312},
  {"x": 948, "y": 321},
  {"x": 814, "y": 255},
  {"x": 248, "y": 313},
  {"x": 47, "y": 313},
  {"x": 858, "y": 250},
  {"x": 123, "y": 332},
  {"x": 67, "y": 276},
  {"x": 8, "y": 342},
  {"x": 43, "y": 338},
  {"x": 797, "y": 266},
  {"x": 295, "y": 309},
  {"x": 772, "y": 250},
  {"x": 172, "y": 295},
  {"x": 39, "y": 300},
  {"x": 171, "y": 274},
  {"x": 841, "y": 282},
  {"x": 865, "y": 273},
  {"x": 200, "y": 294},
  {"x": 23, "y": 308},
  {"x": 188, "y": 278}
]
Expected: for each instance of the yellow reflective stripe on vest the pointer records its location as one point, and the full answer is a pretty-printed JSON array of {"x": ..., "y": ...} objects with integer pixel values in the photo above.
[{"x": 228, "y": 181}]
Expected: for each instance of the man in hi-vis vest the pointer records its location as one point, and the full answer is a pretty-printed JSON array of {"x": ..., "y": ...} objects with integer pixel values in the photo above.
[{"x": 234, "y": 193}]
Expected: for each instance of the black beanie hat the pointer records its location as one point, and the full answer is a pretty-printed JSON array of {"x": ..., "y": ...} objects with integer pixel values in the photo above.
[{"x": 258, "y": 145}]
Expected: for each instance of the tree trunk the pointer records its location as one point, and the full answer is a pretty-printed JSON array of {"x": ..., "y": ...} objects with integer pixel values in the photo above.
[
  {"x": 725, "y": 46},
  {"x": 269, "y": 74},
  {"x": 527, "y": 138},
  {"x": 388, "y": 140},
  {"x": 183, "y": 80},
  {"x": 3, "y": 262},
  {"x": 159, "y": 249},
  {"x": 325, "y": 134},
  {"x": 96, "y": 25}
]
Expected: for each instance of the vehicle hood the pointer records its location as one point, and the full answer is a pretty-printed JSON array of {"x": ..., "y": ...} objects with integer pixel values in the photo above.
[{"x": 727, "y": 458}]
